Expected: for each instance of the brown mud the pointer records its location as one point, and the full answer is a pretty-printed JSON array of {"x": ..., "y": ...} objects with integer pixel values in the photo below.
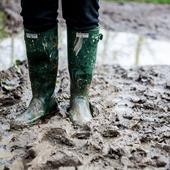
[
  {"x": 130, "y": 129},
  {"x": 144, "y": 19}
]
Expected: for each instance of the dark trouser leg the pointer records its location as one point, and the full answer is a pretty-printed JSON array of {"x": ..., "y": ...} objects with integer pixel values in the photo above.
[
  {"x": 83, "y": 37},
  {"x": 81, "y": 15},
  {"x": 39, "y": 15},
  {"x": 41, "y": 40}
]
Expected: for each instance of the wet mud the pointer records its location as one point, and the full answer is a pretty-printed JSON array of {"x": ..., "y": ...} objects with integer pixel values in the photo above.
[
  {"x": 130, "y": 129},
  {"x": 145, "y": 19}
]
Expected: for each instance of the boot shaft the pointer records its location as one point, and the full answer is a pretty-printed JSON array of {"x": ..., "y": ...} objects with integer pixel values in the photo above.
[
  {"x": 82, "y": 49},
  {"x": 42, "y": 55}
]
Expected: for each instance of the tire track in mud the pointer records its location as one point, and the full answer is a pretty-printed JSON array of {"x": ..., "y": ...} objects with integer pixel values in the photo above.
[{"x": 130, "y": 129}]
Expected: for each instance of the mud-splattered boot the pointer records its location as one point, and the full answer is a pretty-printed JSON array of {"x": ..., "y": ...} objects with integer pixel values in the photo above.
[
  {"x": 42, "y": 54},
  {"x": 82, "y": 47}
]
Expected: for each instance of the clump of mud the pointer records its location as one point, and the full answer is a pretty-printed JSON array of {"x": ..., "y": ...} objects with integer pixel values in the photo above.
[{"x": 130, "y": 130}]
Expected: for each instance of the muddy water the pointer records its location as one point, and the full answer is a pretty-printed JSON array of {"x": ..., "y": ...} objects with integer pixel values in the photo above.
[
  {"x": 130, "y": 129},
  {"x": 126, "y": 49},
  {"x": 11, "y": 49}
]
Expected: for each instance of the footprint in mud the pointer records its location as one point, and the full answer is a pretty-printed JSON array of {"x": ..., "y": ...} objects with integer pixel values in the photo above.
[
  {"x": 82, "y": 132},
  {"x": 29, "y": 155},
  {"x": 81, "y": 135},
  {"x": 22, "y": 162},
  {"x": 59, "y": 159},
  {"x": 159, "y": 161},
  {"x": 114, "y": 152},
  {"x": 110, "y": 132},
  {"x": 58, "y": 136},
  {"x": 96, "y": 142},
  {"x": 137, "y": 155}
]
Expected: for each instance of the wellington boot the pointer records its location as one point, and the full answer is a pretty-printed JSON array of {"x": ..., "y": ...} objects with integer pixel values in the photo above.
[
  {"x": 42, "y": 54},
  {"x": 82, "y": 48}
]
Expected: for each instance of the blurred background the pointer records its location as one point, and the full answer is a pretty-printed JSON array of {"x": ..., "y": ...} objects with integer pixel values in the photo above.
[{"x": 136, "y": 32}]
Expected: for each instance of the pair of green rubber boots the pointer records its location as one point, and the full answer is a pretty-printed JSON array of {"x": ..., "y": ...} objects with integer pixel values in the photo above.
[{"x": 42, "y": 54}]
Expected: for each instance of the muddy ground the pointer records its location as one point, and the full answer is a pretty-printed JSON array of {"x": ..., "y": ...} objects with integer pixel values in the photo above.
[
  {"x": 145, "y": 19},
  {"x": 130, "y": 129},
  {"x": 131, "y": 125}
]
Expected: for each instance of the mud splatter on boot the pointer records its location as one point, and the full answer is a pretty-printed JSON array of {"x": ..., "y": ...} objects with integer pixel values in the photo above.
[
  {"x": 82, "y": 48},
  {"x": 42, "y": 54}
]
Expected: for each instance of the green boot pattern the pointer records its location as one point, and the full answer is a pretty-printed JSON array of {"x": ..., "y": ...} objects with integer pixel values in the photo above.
[
  {"x": 82, "y": 48},
  {"x": 42, "y": 54}
]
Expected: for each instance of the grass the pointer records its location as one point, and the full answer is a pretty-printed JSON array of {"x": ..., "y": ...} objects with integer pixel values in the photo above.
[
  {"x": 144, "y": 1},
  {"x": 3, "y": 33}
]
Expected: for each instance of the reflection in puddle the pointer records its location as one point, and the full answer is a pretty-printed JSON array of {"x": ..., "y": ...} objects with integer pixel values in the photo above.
[
  {"x": 129, "y": 49},
  {"x": 126, "y": 49},
  {"x": 11, "y": 50}
]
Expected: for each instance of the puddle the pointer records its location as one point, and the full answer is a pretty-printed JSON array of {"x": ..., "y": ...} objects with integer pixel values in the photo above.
[
  {"x": 126, "y": 49},
  {"x": 11, "y": 49}
]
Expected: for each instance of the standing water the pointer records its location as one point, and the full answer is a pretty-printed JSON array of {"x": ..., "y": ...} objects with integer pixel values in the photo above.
[{"x": 126, "y": 49}]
